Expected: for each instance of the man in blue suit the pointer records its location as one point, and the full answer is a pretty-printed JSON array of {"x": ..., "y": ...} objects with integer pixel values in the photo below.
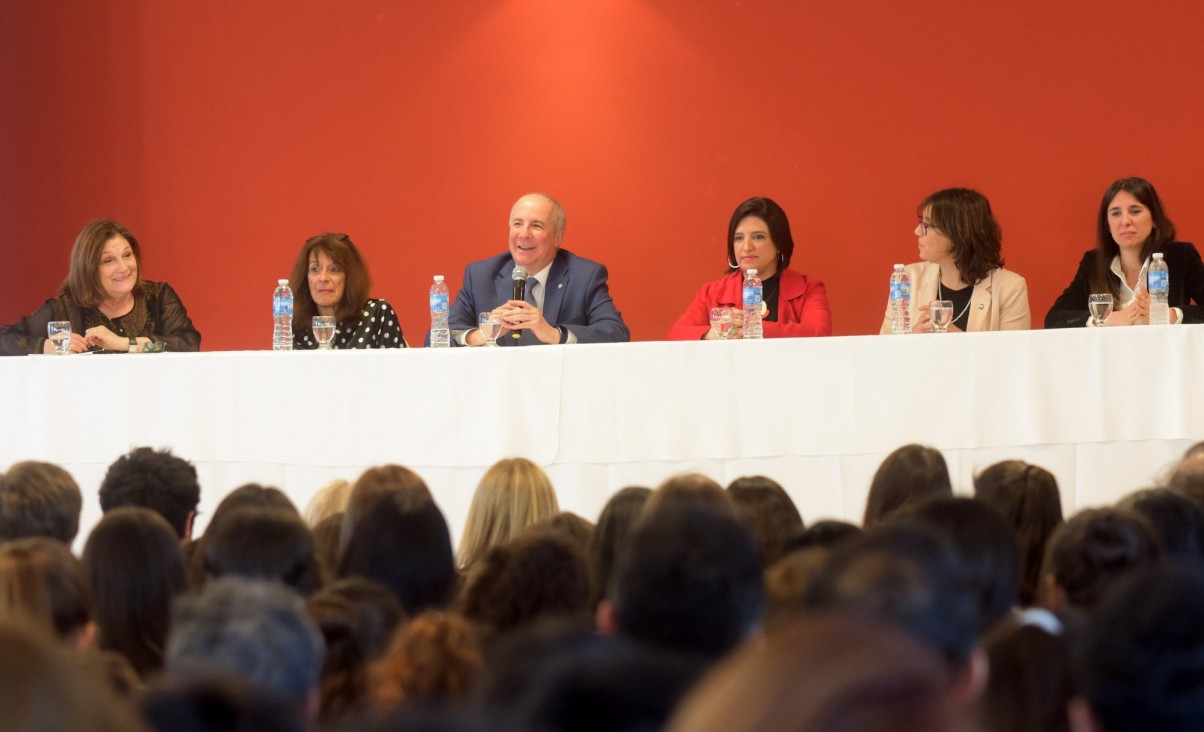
[{"x": 567, "y": 300}]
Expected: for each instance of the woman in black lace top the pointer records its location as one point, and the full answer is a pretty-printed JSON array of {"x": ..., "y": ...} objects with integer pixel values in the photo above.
[
  {"x": 330, "y": 277},
  {"x": 110, "y": 306}
]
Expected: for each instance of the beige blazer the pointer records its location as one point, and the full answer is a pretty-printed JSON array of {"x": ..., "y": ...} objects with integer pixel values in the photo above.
[{"x": 999, "y": 300}]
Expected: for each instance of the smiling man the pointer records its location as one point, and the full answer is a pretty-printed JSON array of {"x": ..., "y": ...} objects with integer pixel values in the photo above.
[{"x": 567, "y": 300}]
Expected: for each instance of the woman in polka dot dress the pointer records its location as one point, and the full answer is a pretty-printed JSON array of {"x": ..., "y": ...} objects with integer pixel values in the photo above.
[{"x": 331, "y": 278}]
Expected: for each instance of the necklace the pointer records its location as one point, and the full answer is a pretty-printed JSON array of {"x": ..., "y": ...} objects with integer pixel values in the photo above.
[{"x": 940, "y": 296}]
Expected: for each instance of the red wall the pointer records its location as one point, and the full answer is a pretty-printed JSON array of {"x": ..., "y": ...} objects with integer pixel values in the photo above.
[{"x": 224, "y": 133}]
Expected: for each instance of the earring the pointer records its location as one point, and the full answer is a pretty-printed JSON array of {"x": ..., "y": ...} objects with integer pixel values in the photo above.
[{"x": 731, "y": 265}]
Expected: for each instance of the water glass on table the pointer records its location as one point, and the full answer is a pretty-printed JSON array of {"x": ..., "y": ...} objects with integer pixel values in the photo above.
[
  {"x": 941, "y": 313},
  {"x": 324, "y": 326},
  {"x": 59, "y": 333},
  {"x": 491, "y": 327},
  {"x": 1100, "y": 307},
  {"x": 721, "y": 322}
]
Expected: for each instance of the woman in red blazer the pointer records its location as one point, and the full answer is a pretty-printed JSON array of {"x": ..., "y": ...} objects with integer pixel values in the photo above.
[{"x": 758, "y": 237}]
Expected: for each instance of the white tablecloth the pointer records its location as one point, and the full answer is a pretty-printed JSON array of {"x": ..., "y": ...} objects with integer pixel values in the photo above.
[{"x": 1106, "y": 410}]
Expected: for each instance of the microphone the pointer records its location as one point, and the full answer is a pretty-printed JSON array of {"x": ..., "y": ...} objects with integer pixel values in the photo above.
[{"x": 520, "y": 282}]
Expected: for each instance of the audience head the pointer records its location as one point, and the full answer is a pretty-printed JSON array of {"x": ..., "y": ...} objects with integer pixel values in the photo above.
[
  {"x": 433, "y": 661},
  {"x": 577, "y": 530},
  {"x": 407, "y": 488},
  {"x": 1178, "y": 521},
  {"x": 825, "y": 672},
  {"x": 775, "y": 223},
  {"x": 1140, "y": 662},
  {"x": 39, "y": 499},
  {"x": 43, "y": 585},
  {"x": 404, "y": 545},
  {"x": 251, "y": 629},
  {"x": 1027, "y": 496},
  {"x": 689, "y": 580},
  {"x": 690, "y": 490},
  {"x": 83, "y": 284},
  {"x": 1029, "y": 683},
  {"x": 1118, "y": 198},
  {"x": 988, "y": 553},
  {"x": 336, "y": 255},
  {"x": 907, "y": 476},
  {"x": 136, "y": 569},
  {"x": 1091, "y": 551},
  {"x": 765, "y": 508},
  {"x": 331, "y": 499},
  {"x": 156, "y": 480},
  {"x": 326, "y": 534},
  {"x": 262, "y": 543},
  {"x": 964, "y": 218},
  {"x": 610, "y": 537},
  {"x": 825, "y": 534},
  {"x": 513, "y": 494},
  {"x": 219, "y": 705},
  {"x": 786, "y": 583},
  {"x": 1188, "y": 477}
]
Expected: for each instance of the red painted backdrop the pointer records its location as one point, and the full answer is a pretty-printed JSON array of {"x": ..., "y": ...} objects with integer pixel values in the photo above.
[{"x": 224, "y": 133}]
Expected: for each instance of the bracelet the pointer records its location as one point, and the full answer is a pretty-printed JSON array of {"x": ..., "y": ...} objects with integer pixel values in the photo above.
[{"x": 133, "y": 344}]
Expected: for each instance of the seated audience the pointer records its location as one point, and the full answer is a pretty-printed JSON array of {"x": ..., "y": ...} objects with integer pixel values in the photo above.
[
  {"x": 567, "y": 525},
  {"x": 909, "y": 475},
  {"x": 219, "y": 705},
  {"x": 959, "y": 242},
  {"x": 43, "y": 585},
  {"x": 261, "y": 543},
  {"x": 110, "y": 307},
  {"x": 511, "y": 495},
  {"x": 1027, "y": 496},
  {"x": 407, "y": 488},
  {"x": 614, "y": 528},
  {"x": 1029, "y": 684},
  {"x": 433, "y": 661},
  {"x": 690, "y": 489},
  {"x": 1177, "y": 521},
  {"x": 768, "y": 512},
  {"x": 1090, "y": 552},
  {"x": 827, "y": 534},
  {"x": 157, "y": 480},
  {"x": 331, "y": 499},
  {"x": 39, "y": 499},
  {"x": 793, "y": 304}
]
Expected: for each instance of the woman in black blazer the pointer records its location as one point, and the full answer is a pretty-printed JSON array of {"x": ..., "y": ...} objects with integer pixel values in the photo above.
[{"x": 1131, "y": 227}]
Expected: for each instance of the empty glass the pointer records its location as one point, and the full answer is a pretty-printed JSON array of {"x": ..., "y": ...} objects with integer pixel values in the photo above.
[
  {"x": 721, "y": 322},
  {"x": 1100, "y": 306},
  {"x": 941, "y": 312},
  {"x": 59, "y": 333},
  {"x": 491, "y": 327},
  {"x": 324, "y": 326}
]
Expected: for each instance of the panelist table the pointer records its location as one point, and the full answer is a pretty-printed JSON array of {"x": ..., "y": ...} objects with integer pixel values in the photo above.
[{"x": 1107, "y": 411}]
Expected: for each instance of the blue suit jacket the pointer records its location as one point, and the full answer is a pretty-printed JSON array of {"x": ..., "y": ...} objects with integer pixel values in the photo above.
[{"x": 575, "y": 296}]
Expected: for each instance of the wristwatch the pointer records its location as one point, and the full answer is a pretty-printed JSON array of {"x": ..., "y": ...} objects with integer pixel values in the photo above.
[{"x": 133, "y": 344}]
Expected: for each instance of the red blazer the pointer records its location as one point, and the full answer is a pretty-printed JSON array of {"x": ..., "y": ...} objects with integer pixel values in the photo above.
[{"x": 802, "y": 308}]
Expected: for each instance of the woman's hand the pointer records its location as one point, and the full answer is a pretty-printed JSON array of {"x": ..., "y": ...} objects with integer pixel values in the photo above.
[
  {"x": 1127, "y": 315},
  {"x": 102, "y": 337},
  {"x": 923, "y": 321},
  {"x": 1142, "y": 303},
  {"x": 78, "y": 344}
]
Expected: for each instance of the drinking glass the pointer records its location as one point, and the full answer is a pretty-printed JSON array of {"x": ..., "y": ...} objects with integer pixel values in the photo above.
[
  {"x": 941, "y": 312},
  {"x": 324, "y": 331},
  {"x": 491, "y": 327},
  {"x": 59, "y": 333},
  {"x": 1100, "y": 306},
  {"x": 721, "y": 322}
]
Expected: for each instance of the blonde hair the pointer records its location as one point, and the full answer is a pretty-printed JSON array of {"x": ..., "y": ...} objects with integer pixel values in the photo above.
[
  {"x": 513, "y": 494},
  {"x": 329, "y": 500}
]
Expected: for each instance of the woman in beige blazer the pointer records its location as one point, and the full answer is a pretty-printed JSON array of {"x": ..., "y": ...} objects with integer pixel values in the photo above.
[{"x": 959, "y": 243}]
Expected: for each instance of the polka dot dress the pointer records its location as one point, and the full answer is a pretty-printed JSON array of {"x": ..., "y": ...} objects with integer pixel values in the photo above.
[{"x": 375, "y": 325}]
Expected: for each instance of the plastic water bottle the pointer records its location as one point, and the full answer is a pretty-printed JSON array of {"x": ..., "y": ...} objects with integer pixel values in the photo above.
[
  {"x": 440, "y": 335},
  {"x": 282, "y": 313},
  {"x": 1158, "y": 284},
  {"x": 900, "y": 301},
  {"x": 752, "y": 304}
]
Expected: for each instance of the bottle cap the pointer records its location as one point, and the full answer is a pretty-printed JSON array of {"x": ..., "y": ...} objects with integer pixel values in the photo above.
[
  {"x": 1157, "y": 255},
  {"x": 438, "y": 278},
  {"x": 282, "y": 282},
  {"x": 751, "y": 273},
  {"x": 898, "y": 267}
]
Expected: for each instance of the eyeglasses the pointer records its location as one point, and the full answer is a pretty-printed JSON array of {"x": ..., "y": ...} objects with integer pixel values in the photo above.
[{"x": 925, "y": 225}]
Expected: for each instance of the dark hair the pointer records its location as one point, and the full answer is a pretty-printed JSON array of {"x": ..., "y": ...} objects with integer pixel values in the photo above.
[
  {"x": 374, "y": 483},
  {"x": 1027, "y": 496},
  {"x": 83, "y": 282},
  {"x": 690, "y": 490},
  {"x": 1196, "y": 450},
  {"x": 405, "y": 546},
  {"x": 218, "y": 704},
  {"x": 1188, "y": 478},
  {"x": 262, "y": 543},
  {"x": 1096, "y": 547},
  {"x": 41, "y": 582},
  {"x": 909, "y": 474},
  {"x": 964, "y": 215},
  {"x": 766, "y": 509},
  {"x": 356, "y": 285},
  {"x": 779, "y": 229},
  {"x": 534, "y": 577},
  {"x": 827, "y": 534},
  {"x": 157, "y": 480},
  {"x": 611, "y": 535},
  {"x": 906, "y": 573},
  {"x": 433, "y": 661},
  {"x": 988, "y": 553},
  {"x": 689, "y": 580},
  {"x": 39, "y": 499},
  {"x": 136, "y": 569},
  {"x": 568, "y": 525},
  {"x": 1178, "y": 521},
  {"x": 1141, "y": 657},
  {"x": 1102, "y": 279},
  {"x": 1029, "y": 682}
]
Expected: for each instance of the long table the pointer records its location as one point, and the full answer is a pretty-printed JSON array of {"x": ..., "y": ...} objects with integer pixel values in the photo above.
[{"x": 1107, "y": 411}]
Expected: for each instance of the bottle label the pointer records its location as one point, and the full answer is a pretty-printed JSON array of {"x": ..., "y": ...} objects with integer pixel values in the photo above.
[
  {"x": 1158, "y": 281},
  {"x": 752, "y": 297},
  {"x": 439, "y": 301},
  {"x": 282, "y": 306},
  {"x": 900, "y": 290}
]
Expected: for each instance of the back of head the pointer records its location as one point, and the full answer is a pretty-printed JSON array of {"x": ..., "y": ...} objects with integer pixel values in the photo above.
[
  {"x": 690, "y": 580},
  {"x": 136, "y": 569},
  {"x": 567, "y": 525},
  {"x": 988, "y": 552},
  {"x": 1188, "y": 477},
  {"x": 43, "y": 584},
  {"x": 906, "y": 574},
  {"x": 767, "y": 510},
  {"x": 1177, "y": 520},
  {"x": 1027, "y": 496},
  {"x": 252, "y": 629},
  {"x": 44, "y": 689},
  {"x": 1141, "y": 658},
  {"x": 1029, "y": 683},
  {"x": 156, "y": 480},
  {"x": 404, "y": 544},
  {"x": 331, "y": 499},
  {"x": 690, "y": 490},
  {"x": 1094, "y": 549},
  {"x": 536, "y": 577},
  {"x": 262, "y": 543},
  {"x": 825, "y": 534},
  {"x": 826, "y": 672},
  {"x": 615, "y": 524},
  {"x": 39, "y": 499},
  {"x": 403, "y": 484},
  {"x": 219, "y": 705},
  {"x": 434, "y": 661},
  {"x": 513, "y": 494},
  {"x": 908, "y": 475}
]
